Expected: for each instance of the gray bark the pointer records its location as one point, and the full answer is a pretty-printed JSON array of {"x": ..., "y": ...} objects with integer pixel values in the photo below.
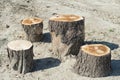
[
  {"x": 21, "y": 60},
  {"x": 93, "y": 66},
  {"x": 34, "y": 32},
  {"x": 67, "y": 37}
]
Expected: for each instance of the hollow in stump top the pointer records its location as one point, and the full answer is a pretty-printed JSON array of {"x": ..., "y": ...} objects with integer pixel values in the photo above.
[
  {"x": 19, "y": 45},
  {"x": 96, "y": 49},
  {"x": 30, "y": 21}
]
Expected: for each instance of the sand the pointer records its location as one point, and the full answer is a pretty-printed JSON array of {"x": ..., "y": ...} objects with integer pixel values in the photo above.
[{"x": 102, "y": 25}]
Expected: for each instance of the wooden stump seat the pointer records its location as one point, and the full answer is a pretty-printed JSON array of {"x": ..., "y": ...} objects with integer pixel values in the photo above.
[
  {"x": 93, "y": 60},
  {"x": 33, "y": 28},
  {"x": 20, "y": 54},
  {"x": 67, "y": 32}
]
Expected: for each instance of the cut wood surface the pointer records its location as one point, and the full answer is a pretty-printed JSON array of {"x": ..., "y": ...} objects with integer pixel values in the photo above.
[
  {"x": 93, "y": 61},
  {"x": 20, "y": 54},
  {"x": 66, "y": 18},
  {"x": 67, "y": 32},
  {"x": 33, "y": 28}
]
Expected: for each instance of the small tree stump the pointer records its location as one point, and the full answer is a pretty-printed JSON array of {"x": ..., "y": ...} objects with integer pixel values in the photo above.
[
  {"x": 67, "y": 32},
  {"x": 93, "y": 61},
  {"x": 20, "y": 54},
  {"x": 33, "y": 28}
]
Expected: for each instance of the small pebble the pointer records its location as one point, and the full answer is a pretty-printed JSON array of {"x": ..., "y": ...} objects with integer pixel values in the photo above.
[
  {"x": 28, "y": 1},
  {"x": 7, "y": 26},
  {"x": 50, "y": 49},
  {"x": 54, "y": 13},
  {"x": 47, "y": 6}
]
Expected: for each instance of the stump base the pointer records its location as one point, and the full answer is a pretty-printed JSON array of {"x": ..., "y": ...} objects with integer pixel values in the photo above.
[
  {"x": 33, "y": 28},
  {"x": 20, "y": 54},
  {"x": 93, "y": 61},
  {"x": 67, "y": 32}
]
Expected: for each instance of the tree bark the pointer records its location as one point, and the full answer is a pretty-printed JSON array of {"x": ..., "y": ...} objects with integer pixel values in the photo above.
[
  {"x": 93, "y": 61},
  {"x": 67, "y": 32},
  {"x": 20, "y": 54},
  {"x": 33, "y": 28}
]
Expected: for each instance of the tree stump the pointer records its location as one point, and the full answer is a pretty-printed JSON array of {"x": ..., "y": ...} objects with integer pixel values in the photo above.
[
  {"x": 20, "y": 54},
  {"x": 33, "y": 28},
  {"x": 67, "y": 32},
  {"x": 93, "y": 61}
]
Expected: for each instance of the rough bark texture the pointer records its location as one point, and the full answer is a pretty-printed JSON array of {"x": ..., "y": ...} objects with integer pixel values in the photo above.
[
  {"x": 67, "y": 37},
  {"x": 93, "y": 66},
  {"x": 34, "y": 32},
  {"x": 21, "y": 60}
]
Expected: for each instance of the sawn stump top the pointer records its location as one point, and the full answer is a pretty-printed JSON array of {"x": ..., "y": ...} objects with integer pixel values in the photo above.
[
  {"x": 19, "y": 45},
  {"x": 66, "y": 18},
  {"x": 30, "y": 21},
  {"x": 96, "y": 49}
]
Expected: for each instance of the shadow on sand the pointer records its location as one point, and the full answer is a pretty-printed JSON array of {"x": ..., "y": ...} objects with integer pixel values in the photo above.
[
  {"x": 45, "y": 63},
  {"x": 115, "y": 67},
  {"x": 46, "y": 37}
]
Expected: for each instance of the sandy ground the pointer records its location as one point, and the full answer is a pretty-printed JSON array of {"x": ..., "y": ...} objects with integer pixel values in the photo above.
[{"x": 102, "y": 25}]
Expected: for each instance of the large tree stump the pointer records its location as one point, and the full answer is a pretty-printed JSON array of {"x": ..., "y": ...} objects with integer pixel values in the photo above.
[
  {"x": 93, "y": 61},
  {"x": 33, "y": 28},
  {"x": 20, "y": 54},
  {"x": 67, "y": 32}
]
